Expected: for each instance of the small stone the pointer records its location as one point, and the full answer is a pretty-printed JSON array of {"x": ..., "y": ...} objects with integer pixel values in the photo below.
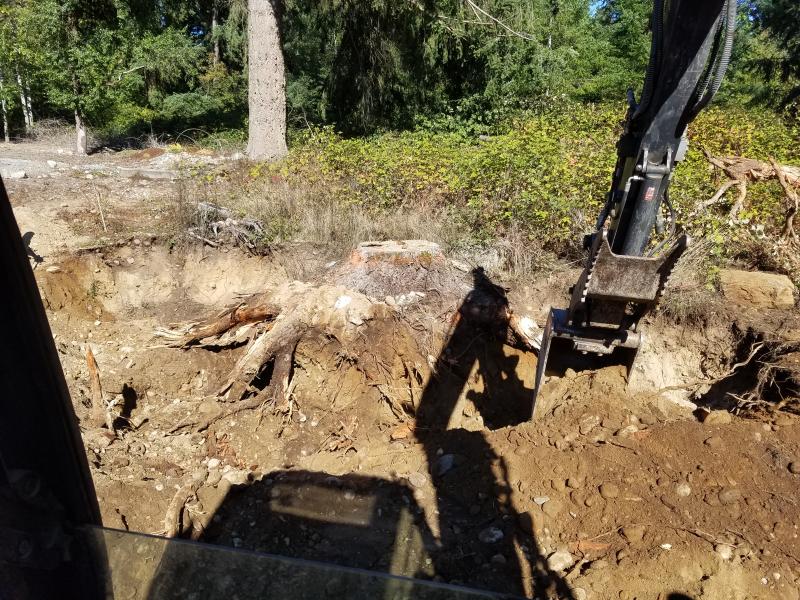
[
  {"x": 609, "y": 490},
  {"x": 131, "y": 260},
  {"x": 560, "y": 561},
  {"x": 214, "y": 463},
  {"x": 633, "y": 533},
  {"x": 729, "y": 496},
  {"x": 718, "y": 417},
  {"x": 53, "y": 269},
  {"x": 724, "y": 551},
  {"x": 574, "y": 483},
  {"x": 794, "y": 468},
  {"x": 588, "y": 423},
  {"x": 97, "y": 323},
  {"x": 137, "y": 242},
  {"x": 541, "y": 499},
  {"x": 666, "y": 546},
  {"x": 18, "y": 175},
  {"x": 490, "y": 535},
  {"x": 552, "y": 507},
  {"x": 417, "y": 479},
  {"x": 714, "y": 441},
  {"x": 622, "y": 554},
  {"x": 558, "y": 485},
  {"x": 683, "y": 490},
  {"x": 757, "y": 289},
  {"x": 579, "y": 594},
  {"x": 626, "y": 431},
  {"x": 159, "y": 487},
  {"x": 445, "y": 464}
]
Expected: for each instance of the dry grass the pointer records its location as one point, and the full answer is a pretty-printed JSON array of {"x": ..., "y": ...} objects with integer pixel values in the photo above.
[{"x": 690, "y": 297}]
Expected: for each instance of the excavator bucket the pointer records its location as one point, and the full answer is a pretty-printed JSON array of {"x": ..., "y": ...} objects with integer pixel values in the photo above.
[{"x": 600, "y": 326}]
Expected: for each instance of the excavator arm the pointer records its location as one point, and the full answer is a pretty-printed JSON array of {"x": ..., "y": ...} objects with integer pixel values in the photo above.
[{"x": 625, "y": 273}]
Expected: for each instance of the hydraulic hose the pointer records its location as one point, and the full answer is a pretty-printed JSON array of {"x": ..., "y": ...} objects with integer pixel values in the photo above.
[
  {"x": 656, "y": 45},
  {"x": 722, "y": 61}
]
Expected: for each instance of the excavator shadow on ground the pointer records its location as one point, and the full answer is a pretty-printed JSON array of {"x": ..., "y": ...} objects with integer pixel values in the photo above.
[
  {"x": 370, "y": 525},
  {"x": 373, "y": 523}
]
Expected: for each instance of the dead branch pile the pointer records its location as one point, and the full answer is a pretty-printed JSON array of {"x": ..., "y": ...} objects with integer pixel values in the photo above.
[
  {"x": 215, "y": 225},
  {"x": 740, "y": 171}
]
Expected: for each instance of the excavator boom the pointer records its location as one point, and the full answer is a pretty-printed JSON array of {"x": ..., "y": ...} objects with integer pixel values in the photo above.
[{"x": 625, "y": 273}]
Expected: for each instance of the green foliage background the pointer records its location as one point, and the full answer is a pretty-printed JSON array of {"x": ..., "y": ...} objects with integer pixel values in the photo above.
[
  {"x": 163, "y": 66},
  {"x": 545, "y": 176}
]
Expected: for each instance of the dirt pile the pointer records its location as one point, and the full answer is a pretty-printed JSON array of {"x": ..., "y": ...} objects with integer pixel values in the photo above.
[{"x": 315, "y": 420}]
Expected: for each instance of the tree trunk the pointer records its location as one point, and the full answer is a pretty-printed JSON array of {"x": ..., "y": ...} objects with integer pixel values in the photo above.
[
  {"x": 24, "y": 102},
  {"x": 214, "y": 25},
  {"x": 267, "y": 85},
  {"x": 81, "y": 143},
  {"x": 28, "y": 103},
  {"x": 4, "y": 108}
]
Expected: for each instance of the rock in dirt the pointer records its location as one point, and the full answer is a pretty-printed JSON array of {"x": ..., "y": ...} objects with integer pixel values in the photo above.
[
  {"x": 724, "y": 551},
  {"x": 633, "y": 533},
  {"x": 53, "y": 269},
  {"x": 490, "y": 535},
  {"x": 757, "y": 289},
  {"x": 627, "y": 431},
  {"x": 609, "y": 490},
  {"x": 588, "y": 423},
  {"x": 794, "y": 468},
  {"x": 729, "y": 496},
  {"x": 17, "y": 175},
  {"x": 683, "y": 490},
  {"x": 560, "y": 561},
  {"x": 716, "y": 417},
  {"x": 552, "y": 507},
  {"x": 417, "y": 479},
  {"x": 446, "y": 463},
  {"x": 540, "y": 500}
]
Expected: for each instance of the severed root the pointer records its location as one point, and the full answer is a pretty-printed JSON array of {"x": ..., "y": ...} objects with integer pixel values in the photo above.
[
  {"x": 232, "y": 319},
  {"x": 201, "y": 425},
  {"x": 282, "y": 339},
  {"x": 276, "y": 393},
  {"x": 100, "y": 416},
  {"x": 177, "y": 519}
]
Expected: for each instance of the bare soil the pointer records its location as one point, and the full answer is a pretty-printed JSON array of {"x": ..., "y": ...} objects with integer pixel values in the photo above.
[{"x": 405, "y": 443}]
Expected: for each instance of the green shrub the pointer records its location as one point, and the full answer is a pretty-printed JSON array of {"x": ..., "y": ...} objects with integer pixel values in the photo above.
[{"x": 546, "y": 176}]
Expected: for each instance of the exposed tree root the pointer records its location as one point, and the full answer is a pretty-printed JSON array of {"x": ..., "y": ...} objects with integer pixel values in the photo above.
[
  {"x": 176, "y": 520},
  {"x": 325, "y": 347},
  {"x": 741, "y": 171}
]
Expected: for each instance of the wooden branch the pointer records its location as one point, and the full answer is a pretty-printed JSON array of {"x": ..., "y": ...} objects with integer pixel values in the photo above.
[
  {"x": 173, "y": 521},
  {"x": 793, "y": 197},
  {"x": 99, "y": 415}
]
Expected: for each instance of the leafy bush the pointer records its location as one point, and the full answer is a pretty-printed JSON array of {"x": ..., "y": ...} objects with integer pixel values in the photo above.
[{"x": 546, "y": 176}]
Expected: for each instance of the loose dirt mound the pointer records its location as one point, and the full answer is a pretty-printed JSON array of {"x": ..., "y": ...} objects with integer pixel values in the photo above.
[{"x": 319, "y": 421}]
